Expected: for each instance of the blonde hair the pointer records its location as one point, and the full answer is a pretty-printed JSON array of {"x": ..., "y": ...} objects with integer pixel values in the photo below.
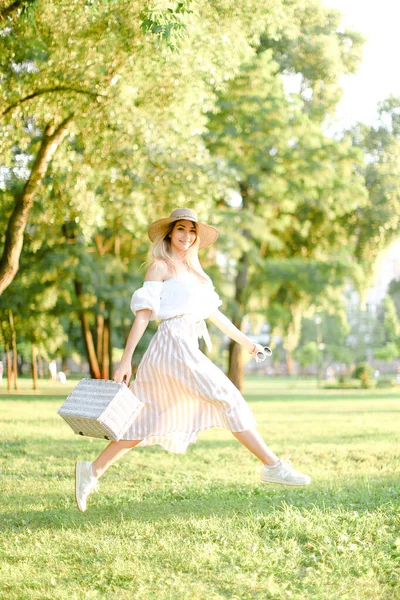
[{"x": 161, "y": 251}]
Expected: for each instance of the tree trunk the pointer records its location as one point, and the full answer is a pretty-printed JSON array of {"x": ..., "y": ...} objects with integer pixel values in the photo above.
[
  {"x": 14, "y": 348},
  {"x": 40, "y": 365},
  {"x": 12, "y": 7},
  {"x": 109, "y": 335},
  {"x": 289, "y": 362},
  {"x": 117, "y": 246},
  {"x": 9, "y": 262},
  {"x": 110, "y": 345},
  {"x": 100, "y": 348},
  {"x": 106, "y": 350},
  {"x": 8, "y": 358},
  {"x": 20, "y": 365},
  {"x": 89, "y": 345},
  {"x": 87, "y": 334},
  {"x": 235, "y": 370},
  {"x": 9, "y": 369},
  {"x": 292, "y": 338},
  {"x": 34, "y": 367}
]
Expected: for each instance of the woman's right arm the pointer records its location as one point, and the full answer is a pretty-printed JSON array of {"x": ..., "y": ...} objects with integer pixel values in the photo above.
[
  {"x": 124, "y": 369},
  {"x": 156, "y": 272}
]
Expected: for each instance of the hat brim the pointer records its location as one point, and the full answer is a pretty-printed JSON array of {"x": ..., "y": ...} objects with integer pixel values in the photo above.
[{"x": 207, "y": 233}]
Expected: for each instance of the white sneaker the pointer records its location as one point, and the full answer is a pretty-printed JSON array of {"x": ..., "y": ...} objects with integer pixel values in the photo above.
[
  {"x": 285, "y": 474},
  {"x": 85, "y": 483}
]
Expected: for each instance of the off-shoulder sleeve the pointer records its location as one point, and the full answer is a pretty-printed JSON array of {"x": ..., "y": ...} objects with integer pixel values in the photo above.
[{"x": 148, "y": 296}]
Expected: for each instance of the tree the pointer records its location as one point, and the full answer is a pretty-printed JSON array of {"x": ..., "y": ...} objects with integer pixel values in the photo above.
[
  {"x": 111, "y": 64},
  {"x": 307, "y": 354},
  {"x": 33, "y": 296},
  {"x": 296, "y": 185},
  {"x": 9, "y": 262},
  {"x": 69, "y": 67},
  {"x": 376, "y": 224},
  {"x": 387, "y": 332},
  {"x": 394, "y": 293},
  {"x": 333, "y": 332}
]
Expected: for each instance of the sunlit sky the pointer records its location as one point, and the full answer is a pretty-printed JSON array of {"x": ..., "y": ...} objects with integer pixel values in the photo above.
[{"x": 378, "y": 75}]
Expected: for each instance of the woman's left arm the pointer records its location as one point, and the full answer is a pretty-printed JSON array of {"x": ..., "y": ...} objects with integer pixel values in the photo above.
[{"x": 227, "y": 327}]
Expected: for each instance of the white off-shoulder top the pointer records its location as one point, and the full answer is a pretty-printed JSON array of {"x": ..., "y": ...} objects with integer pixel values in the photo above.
[{"x": 181, "y": 295}]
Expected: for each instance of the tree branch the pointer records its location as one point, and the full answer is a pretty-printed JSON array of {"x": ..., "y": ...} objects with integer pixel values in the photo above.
[
  {"x": 9, "y": 262},
  {"x": 58, "y": 88},
  {"x": 8, "y": 10}
]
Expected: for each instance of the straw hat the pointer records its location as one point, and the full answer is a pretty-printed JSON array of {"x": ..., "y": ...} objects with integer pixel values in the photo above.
[{"x": 206, "y": 233}]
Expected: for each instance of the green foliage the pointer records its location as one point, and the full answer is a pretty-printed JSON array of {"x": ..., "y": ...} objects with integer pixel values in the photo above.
[
  {"x": 103, "y": 69},
  {"x": 128, "y": 157},
  {"x": 297, "y": 187},
  {"x": 376, "y": 224},
  {"x": 391, "y": 322},
  {"x": 33, "y": 297},
  {"x": 394, "y": 293},
  {"x": 388, "y": 353},
  {"x": 350, "y": 384},
  {"x": 167, "y": 24},
  {"x": 179, "y": 103},
  {"x": 386, "y": 382},
  {"x": 333, "y": 334},
  {"x": 307, "y": 355},
  {"x": 386, "y": 339},
  {"x": 314, "y": 46}
]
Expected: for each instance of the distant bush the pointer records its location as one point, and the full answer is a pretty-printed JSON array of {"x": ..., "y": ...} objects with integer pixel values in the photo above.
[
  {"x": 364, "y": 372},
  {"x": 386, "y": 382},
  {"x": 343, "y": 385},
  {"x": 350, "y": 384}
]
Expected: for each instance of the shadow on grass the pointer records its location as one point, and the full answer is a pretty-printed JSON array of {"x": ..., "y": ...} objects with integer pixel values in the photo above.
[
  {"x": 319, "y": 396},
  {"x": 322, "y": 498},
  {"x": 82, "y": 448},
  {"x": 186, "y": 491},
  {"x": 57, "y": 395}
]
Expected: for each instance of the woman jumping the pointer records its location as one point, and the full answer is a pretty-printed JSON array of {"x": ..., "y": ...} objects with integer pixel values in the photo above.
[{"x": 182, "y": 390}]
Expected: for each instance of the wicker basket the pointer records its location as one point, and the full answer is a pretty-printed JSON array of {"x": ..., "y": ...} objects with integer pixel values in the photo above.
[{"x": 100, "y": 408}]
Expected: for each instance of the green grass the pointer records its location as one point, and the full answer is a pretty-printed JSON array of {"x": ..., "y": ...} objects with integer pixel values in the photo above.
[{"x": 202, "y": 526}]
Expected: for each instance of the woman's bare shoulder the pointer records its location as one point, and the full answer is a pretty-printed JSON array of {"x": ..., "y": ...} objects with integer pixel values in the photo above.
[{"x": 157, "y": 271}]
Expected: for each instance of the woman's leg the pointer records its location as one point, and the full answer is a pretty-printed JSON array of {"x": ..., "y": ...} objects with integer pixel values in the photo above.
[
  {"x": 253, "y": 441},
  {"x": 273, "y": 469},
  {"x": 87, "y": 474},
  {"x": 110, "y": 454}
]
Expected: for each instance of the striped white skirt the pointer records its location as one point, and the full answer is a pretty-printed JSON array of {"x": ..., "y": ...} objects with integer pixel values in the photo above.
[{"x": 183, "y": 391}]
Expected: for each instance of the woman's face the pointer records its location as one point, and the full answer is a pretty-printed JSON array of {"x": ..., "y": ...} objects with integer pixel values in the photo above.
[{"x": 183, "y": 235}]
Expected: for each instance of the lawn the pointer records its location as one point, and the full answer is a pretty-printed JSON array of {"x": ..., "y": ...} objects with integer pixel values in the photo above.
[{"x": 202, "y": 526}]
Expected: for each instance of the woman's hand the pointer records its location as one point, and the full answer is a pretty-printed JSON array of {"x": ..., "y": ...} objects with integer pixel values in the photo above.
[
  {"x": 123, "y": 371},
  {"x": 257, "y": 348}
]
